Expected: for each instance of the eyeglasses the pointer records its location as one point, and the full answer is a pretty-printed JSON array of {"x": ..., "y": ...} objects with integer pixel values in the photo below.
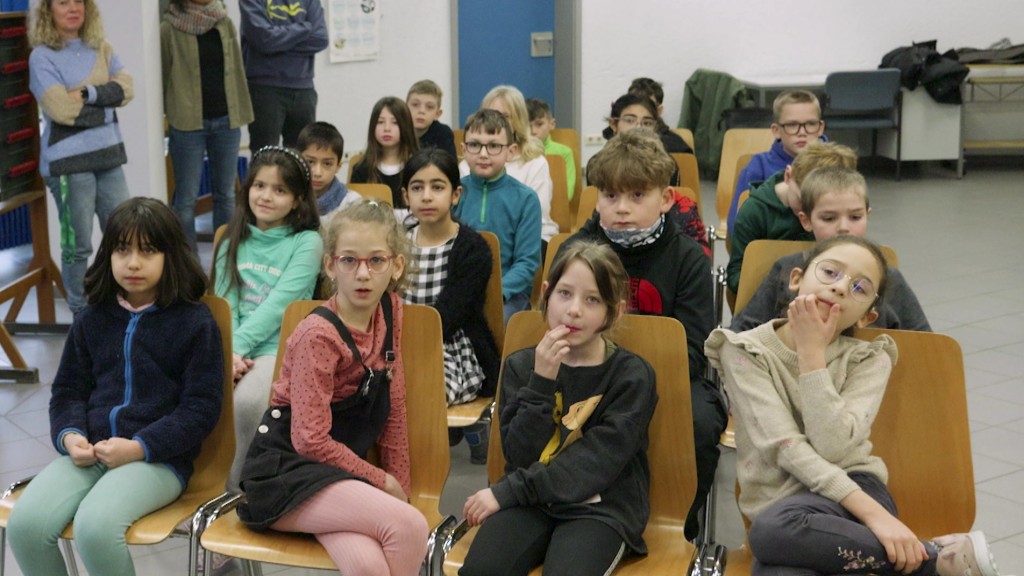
[
  {"x": 629, "y": 121},
  {"x": 810, "y": 127},
  {"x": 492, "y": 147},
  {"x": 829, "y": 272},
  {"x": 375, "y": 264}
]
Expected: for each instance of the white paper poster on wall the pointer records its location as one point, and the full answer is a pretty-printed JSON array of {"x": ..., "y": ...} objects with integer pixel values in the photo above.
[{"x": 354, "y": 27}]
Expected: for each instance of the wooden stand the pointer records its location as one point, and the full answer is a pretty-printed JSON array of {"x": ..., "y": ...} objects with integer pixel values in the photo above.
[
  {"x": 42, "y": 274},
  {"x": 21, "y": 185}
]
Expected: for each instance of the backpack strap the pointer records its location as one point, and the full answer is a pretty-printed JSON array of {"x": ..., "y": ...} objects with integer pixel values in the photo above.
[{"x": 388, "y": 349}]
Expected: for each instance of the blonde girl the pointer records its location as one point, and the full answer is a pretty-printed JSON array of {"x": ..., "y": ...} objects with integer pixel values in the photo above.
[
  {"x": 804, "y": 395},
  {"x": 342, "y": 391},
  {"x": 574, "y": 498}
]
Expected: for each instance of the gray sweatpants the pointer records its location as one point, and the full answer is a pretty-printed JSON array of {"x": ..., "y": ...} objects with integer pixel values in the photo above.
[{"x": 807, "y": 534}]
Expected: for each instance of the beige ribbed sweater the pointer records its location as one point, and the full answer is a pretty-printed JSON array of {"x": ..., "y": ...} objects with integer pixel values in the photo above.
[{"x": 797, "y": 431}]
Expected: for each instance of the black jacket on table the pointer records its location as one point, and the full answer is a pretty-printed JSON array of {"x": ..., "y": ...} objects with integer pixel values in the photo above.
[
  {"x": 669, "y": 277},
  {"x": 461, "y": 302},
  {"x": 600, "y": 469}
]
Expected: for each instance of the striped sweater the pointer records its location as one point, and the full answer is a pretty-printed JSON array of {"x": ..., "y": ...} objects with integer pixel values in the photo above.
[{"x": 79, "y": 136}]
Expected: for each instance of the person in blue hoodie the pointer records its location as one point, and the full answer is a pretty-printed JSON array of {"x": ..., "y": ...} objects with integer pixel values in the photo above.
[
  {"x": 797, "y": 122},
  {"x": 494, "y": 201},
  {"x": 279, "y": 40}
]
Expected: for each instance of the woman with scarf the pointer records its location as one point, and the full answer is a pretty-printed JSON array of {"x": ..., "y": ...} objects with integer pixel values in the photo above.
[{"x": 206, "y": 99}]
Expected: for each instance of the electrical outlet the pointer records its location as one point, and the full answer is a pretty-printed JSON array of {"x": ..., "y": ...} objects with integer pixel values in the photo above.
[{"x": 594, "y": 140}]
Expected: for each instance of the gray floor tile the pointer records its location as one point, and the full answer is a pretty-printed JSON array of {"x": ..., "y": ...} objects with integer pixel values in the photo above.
[
  {"x": 998, "y": 517},
  {"x": 994, "y": 361},
  {"x": 987, "y": 468},
  {"x": 989, "y": 410},
  {"x": 1009, "y": 486},
  {"x": 1001, "y": 444},
  {"x": 1009, "y": 557},
  {"x": 980, "y": 378},
  {"x": 35, "y": 423},
  {"x": 1008, "y": 390}
]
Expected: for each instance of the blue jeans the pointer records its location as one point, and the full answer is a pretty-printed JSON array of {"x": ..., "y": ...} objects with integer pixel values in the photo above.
[
  {"x": 517, "y": 303},
  {"x": 88, "y": 193},
  {"x": 220, "y": 143}
]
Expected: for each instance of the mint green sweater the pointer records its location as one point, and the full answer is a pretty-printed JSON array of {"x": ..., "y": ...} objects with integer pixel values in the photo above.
[{"x": 277, "y": 268}]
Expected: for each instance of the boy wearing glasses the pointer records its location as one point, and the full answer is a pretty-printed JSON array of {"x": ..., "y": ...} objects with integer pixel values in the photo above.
[
  {"x": 774, "y": 208},
  {"x": 494, "y": 201},
  {"x": 797, "y": 123},
  {"x": 834, "y": 202}
]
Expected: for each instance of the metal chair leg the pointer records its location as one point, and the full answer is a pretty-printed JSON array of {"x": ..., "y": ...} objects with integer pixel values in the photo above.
[{"x": 69, "y": 556}]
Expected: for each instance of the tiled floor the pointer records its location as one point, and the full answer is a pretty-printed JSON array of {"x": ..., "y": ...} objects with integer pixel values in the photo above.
[{"x": 960, "y": 244}]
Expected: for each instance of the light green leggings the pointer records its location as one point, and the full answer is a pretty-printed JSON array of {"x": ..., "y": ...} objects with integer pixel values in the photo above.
[{"x": 102, "y": 502}]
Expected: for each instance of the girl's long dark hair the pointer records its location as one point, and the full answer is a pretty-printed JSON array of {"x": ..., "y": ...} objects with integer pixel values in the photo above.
[
  {"x": 305, "y": 216},
  {"x": 148, "y": 222},
  {"x": 408, "y": 144}
]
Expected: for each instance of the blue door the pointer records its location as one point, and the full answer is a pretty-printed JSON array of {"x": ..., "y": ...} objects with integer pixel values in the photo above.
[{"x": 494, "y": 48}]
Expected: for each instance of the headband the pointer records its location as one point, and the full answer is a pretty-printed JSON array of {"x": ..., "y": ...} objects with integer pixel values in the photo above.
[{"x": 288, "y": 152}]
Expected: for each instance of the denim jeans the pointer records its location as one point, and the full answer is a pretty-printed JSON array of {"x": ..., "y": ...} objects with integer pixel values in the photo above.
[
  {"x": 88, "y": 193},
  {"x": 220, "y": 143},
  {"x": 281, "y": 113}
]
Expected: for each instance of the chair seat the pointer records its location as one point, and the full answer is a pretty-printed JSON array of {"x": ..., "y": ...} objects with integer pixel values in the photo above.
[
  {"x": 461, "y": 415},
  {"x": 738, "y": 562},
  {"x": 673, "y": 554},
  {"x": 229, "y": 536}
]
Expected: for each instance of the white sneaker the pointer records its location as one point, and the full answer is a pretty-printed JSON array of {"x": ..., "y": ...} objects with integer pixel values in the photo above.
[{"x": 964, "y": 555}]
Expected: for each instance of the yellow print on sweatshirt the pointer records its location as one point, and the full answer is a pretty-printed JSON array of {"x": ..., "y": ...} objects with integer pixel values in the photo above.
[{"x": 289, "y": 11}]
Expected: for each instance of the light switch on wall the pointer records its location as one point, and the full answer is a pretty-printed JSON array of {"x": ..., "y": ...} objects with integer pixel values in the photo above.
[{"x": 542, "y": 44}]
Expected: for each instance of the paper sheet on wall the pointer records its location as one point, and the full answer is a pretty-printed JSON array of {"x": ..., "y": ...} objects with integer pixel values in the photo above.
[{"x": 354, "y": 27}]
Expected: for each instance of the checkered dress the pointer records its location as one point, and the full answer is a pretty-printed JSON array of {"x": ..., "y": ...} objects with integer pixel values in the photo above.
[{"x": 463, "y": 375}]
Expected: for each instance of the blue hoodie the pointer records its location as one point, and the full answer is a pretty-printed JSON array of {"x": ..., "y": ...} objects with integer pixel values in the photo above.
[
  {"x": 761, "y": 166},
  {"x": 280, "y": 39}
]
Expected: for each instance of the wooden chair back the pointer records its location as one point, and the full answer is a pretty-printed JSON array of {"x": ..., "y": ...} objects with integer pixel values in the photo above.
[
  {"x": 689, "y": 174},
  {"x": 459, "y": 135},
  {"x": 428, "y": 446},
  {"x": 687, "y": 135},
  {"x": 571, "y": 138},
  {"x": 670, "y": 452},
  {"x": 559, "y": 193},
  {"x": 737, "y": 142},
  {"x": 925, "y": 404},
  {"x": 465, "y": 414},
  {"x": 553, "y": 245},
  {"x": 211, "y": 466},
  {"x": 379, "y": 192},
  {"x": 588, "y": 203},
  {"x": 354, "y": 161}
]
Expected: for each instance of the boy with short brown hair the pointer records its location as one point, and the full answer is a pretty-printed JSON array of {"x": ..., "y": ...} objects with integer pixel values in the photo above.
[{"x": 424, "y": 102}]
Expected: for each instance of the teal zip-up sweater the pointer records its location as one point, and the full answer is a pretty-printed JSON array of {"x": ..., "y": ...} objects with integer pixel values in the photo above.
[
  {"x": 511, "y": 211},
  {"x": 277, "y": 268}
]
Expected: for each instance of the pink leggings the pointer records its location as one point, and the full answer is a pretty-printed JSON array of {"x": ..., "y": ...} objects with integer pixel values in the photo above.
[{"x": 365, "y": 530}]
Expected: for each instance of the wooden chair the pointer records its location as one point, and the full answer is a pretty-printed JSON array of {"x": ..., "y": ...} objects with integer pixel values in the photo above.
[
  {"x": 571, "y": 138},
  {"x": 379, "y": 192},
  {"x": 689, "y": 175},
  {"x": 925, "y": 404},
  {"x": 353, "y": 161},
  {"x": 461, "y": 415},
  {"x": 556, "y": 242},
  {"x": 588, "y": 203},
  {"x": 560, "y": 212},
  {"x": 460, "y": 136},
  {"x": 687, "y": 135},
  {"x": 206, "y": 483},
  {"x": 428, "y": 447},
  {"x": 673, "y": 476},
  {"x": 737, "y": 142}
]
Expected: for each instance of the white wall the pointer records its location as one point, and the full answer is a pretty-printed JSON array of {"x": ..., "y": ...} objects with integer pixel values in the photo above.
[
  {"x": 669, "y": 39},
  {"x": 414, "y": 45}
]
